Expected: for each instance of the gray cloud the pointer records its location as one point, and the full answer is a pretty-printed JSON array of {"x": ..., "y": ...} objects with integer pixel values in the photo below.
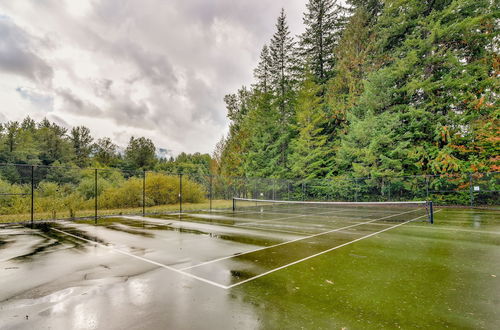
[
  {"x": 73, "y": 104},
  {"x": 42, "y": 101},
  {"x": 16, "y": 56},
  {"x": 126, "y": 67}
]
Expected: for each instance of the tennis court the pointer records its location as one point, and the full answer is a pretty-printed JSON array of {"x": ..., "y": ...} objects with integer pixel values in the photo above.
[{"x": 245, "y": 267}]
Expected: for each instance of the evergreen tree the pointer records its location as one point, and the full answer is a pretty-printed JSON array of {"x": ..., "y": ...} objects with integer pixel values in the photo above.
[
  {"x": 54, "y": 144},
  {"x": 105, "y": 152},
  {"x": 263, "y": 71},
  {"x": 82, "y": 144},
  {"x": 282, "y": 67},
  {"x": 283, "y": 81},
  {"x": 140, "y": 154},
  {"x": 310, "y": 153},
  {"x": 262, "y": 151},
  {"x": 324, "y": 22}
]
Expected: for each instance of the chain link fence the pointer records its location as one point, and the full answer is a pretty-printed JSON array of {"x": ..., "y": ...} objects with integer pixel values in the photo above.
[{"x": 36, "y": 192}]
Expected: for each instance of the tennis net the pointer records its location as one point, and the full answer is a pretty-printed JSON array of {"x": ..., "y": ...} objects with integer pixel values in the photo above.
[{"x": 391, "y": 211}]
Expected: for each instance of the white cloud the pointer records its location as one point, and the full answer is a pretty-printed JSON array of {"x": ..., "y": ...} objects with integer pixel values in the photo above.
[{"x": 153, "y": 68}]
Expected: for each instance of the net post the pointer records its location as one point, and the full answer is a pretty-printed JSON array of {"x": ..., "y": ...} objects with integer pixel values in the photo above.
[
  {"x": 234, "y": 204},
  {"x": 431, "y": 212},
  {"x": 143, "y": 192},
  {"x": 95, "y": 196},
  {"x": 32, "y": 194}
]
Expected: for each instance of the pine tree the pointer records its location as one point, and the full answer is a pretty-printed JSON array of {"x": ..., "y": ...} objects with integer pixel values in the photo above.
[
  {"x": 283, "y": 81},
  {"x": 310, "y": 153},
  {"x": 82, "y": 144},
  {"x": 324, "y": 22},
  {"x": 263, "y": 71},
  {"x": 352, "y": 66},
  {"x": 282, "y": 66}
]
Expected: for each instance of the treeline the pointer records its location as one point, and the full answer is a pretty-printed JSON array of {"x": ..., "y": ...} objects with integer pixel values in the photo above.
[
  {"x": 46, "y": 143},
  {"x": 64, "y": 186},
  {"x": 379, "y": 88}
]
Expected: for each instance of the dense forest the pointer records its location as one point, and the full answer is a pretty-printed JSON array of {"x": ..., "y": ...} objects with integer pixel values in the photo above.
[{"x": 375, "y": 88}]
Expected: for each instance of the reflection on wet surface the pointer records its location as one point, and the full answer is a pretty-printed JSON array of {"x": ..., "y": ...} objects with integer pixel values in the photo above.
[{"x": 413, "y": 276}]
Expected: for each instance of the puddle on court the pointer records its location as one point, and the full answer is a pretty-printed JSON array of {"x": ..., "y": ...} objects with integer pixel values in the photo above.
[{"x": 409, "y": 277}]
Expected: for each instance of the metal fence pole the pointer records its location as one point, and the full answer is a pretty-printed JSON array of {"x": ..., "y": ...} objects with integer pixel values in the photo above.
[
  {"x": 144, "y": 193},
  {"x": 180, "y": 194},
  {"x": 431, "y": 212},
  {"x": 274, "y": 188},
  {"x": 427, "y": 187},
  {"x": 471, "y": 191},
  {"x": 95, "y": 196},
  {"x": 210, "y": 192},
  {"x": 32, "y": 194},
  {"x": 356, "y": 189}
]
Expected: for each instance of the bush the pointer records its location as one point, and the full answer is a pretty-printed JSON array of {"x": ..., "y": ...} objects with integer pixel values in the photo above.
[{"x": 161, "y": 189}]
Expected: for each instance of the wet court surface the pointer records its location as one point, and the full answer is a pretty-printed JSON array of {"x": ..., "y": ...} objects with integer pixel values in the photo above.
[{"x": 254, "y": 270}]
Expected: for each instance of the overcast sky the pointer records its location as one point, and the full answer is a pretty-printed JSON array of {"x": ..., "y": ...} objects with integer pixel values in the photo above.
[{"x": 154, "y": 68}]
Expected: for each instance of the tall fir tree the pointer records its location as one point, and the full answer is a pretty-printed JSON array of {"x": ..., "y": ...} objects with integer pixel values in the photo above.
[
  {"x": 82, "y": 144},
  {"x": 310, "y": 153},
  {"x": 324, "y": 22},
  {"x": 262, "y": 72},
  {"x": 283, "y": 84}
]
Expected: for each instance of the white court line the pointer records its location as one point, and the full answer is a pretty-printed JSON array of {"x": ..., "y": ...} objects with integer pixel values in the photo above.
[
  {"x": 323, "y": 252},
  {"x": 295, "y": 240},
  {"x": 458, "y": 229},
  {"x": 144, "y": 259}
]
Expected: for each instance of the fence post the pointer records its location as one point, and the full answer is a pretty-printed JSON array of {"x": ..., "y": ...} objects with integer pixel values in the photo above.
[
  {"x": 303, "y": 191},
  {"x": 431, "y": 212},
  {"x": 144, "y": 193},
  {"x": 32, "y": 194},
  {"x": 388, "y": 190},
  {"x": 95, "y": 195},
  {"x": 274, "y": 189},
  {"x": 210, "y": 192},
  {"x": 180, "y": 194},
  {"x": 356, "y": 189},
  {"x": 471, "y": 191},
  {"x": 427, "y": 187},
  {"x": 288, "y": 190}
]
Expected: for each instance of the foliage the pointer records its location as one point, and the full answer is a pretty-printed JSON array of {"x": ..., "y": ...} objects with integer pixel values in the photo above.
[{"x": 404, "y": 87}]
